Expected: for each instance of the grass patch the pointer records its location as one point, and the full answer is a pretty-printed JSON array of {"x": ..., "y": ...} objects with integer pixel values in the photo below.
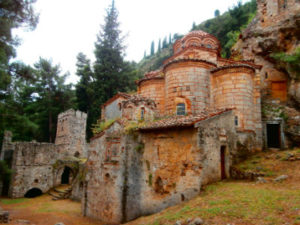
[{"x": 13, "y": 201}]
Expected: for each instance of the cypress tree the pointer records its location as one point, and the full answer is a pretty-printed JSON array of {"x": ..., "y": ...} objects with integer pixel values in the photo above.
[
  {"x": 159, "y": 45},
  {"x": 152, "y": 48}
]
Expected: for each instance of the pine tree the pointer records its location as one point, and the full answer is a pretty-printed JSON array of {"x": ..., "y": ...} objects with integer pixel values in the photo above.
[
  {"x": 170, "y": 39},
  {"x": 152, "y": 51},
  {"x": 112, "y": 73}
]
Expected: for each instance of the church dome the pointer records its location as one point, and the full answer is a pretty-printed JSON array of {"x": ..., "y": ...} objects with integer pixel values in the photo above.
[{"x": 197, "y": 38}]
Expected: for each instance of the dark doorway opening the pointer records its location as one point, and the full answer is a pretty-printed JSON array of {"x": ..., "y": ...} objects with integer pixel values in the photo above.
[
  {"x": 273, "y": 135},
  {"x": 65, "y": 177},
  {"x": 223, "y": 169},
  {"x": 33, "y": 192}
]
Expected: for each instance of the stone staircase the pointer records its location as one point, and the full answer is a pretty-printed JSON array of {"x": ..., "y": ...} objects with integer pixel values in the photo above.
[{"x": 60, "y": 192}]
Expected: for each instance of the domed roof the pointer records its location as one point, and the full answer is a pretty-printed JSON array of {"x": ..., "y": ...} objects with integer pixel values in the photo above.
[{"x": 198, "y": 33}]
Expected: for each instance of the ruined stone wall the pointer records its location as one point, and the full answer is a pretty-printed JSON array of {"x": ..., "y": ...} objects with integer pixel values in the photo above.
[
  {"x": 187, "y": 82},
  {"x": 212, "y": 135},
  {"x": 234, "y": 88},
  {"x": 171, "y": 169},
  {"x": 7, "y": 147},
  {"x": 70, "y": 135},
  {"x": 32, "y": 167},
  {"x": 103, "y": 190},
  {"x": 155, "y": 90},
  {"x": 272, "y": 11}
]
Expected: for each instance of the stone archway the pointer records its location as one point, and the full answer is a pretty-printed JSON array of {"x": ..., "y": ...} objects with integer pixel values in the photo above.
[
  {"x": 33, "y": 192},
  {"x": 66, "y": 175}
]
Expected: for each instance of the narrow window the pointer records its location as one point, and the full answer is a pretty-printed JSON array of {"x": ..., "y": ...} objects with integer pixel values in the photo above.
[
  {"x": 266, "y": 75},
  {"x": 180, "y": 109},
  {"x": 142, "y": 113},
  {"x": 188, "y": 88},
  {"x": 236, "y": 120},
  {"x": 174, "y": 89},
  {"x": 120, "y": 106}
]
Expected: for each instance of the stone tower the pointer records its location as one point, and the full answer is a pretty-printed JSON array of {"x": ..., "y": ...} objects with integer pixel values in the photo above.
[{"x": 70, "y": 134}]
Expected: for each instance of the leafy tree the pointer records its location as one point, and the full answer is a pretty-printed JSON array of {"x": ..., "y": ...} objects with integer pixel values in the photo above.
[
  {"x": 13, "y": 14},
  {"x": 52, "y": 97},
  {"x": 227, "y": 27},
  {"x": 289, "y": 62},
  {"x": 152, "y": 51},
  {"x": 85, "y": 91}
]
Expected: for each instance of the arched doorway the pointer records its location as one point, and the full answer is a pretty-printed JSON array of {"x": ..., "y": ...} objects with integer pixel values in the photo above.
[
  {"x": 33, "y": 192},
  {"x": 65, "y": 177}
]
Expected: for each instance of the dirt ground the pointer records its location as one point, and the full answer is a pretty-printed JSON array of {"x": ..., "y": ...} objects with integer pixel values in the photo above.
[{"x": 43, "y": 210}]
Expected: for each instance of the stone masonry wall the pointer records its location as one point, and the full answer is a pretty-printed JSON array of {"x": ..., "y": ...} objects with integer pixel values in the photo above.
[
  {"x": 32, "y": 168},
  {"x": 103, "y": 191},
  {"x": 70, "y": 135},
  {"x": 212, "y": 135}
]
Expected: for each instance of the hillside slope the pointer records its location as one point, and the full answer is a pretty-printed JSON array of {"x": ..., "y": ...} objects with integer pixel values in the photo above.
[{"x": 226, "y": 27}]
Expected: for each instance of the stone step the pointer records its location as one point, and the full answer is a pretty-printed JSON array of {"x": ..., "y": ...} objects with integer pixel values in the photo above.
[{"x": 60, "y": 192}]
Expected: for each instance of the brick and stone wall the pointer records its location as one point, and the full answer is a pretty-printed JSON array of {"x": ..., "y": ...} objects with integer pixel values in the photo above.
[
  {"x": 234, "y": 88},
  {"x": 189, "y": 81},
  {"x": 155, "y": 90}
]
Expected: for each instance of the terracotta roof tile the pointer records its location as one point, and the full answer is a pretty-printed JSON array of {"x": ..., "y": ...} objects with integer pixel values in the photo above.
[{"x": 182, "y": 121}]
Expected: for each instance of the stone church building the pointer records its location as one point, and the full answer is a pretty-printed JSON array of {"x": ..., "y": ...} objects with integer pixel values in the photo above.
[
  {"x": 182, "y": 129},
  {"x": 187, "y": 124}
]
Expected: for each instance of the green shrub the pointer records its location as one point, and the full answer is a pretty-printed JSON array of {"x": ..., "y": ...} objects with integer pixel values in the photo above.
[{"x": 101, "y": 126}]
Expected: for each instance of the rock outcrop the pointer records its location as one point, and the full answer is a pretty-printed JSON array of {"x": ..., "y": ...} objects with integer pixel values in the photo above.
[{"x": 275, "y": 29}]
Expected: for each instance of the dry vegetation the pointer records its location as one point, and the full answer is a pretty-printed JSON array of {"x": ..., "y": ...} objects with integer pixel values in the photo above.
[{"x": 228, "y": 202}]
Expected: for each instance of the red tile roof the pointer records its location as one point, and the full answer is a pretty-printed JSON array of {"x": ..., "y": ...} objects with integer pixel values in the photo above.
[
  {"x": 232, "y": 66},
  {"x": 182, "y": 121}
]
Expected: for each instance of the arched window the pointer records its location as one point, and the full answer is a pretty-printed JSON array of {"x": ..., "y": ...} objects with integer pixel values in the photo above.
[
  {"x": 120, "y": 106},
  {"x": 180, "y": 109},
  {"x": 142, "y": 113}
]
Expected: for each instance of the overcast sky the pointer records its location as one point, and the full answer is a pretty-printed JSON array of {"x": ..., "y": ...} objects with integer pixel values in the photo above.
[{"x": 67, "y": 27}]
